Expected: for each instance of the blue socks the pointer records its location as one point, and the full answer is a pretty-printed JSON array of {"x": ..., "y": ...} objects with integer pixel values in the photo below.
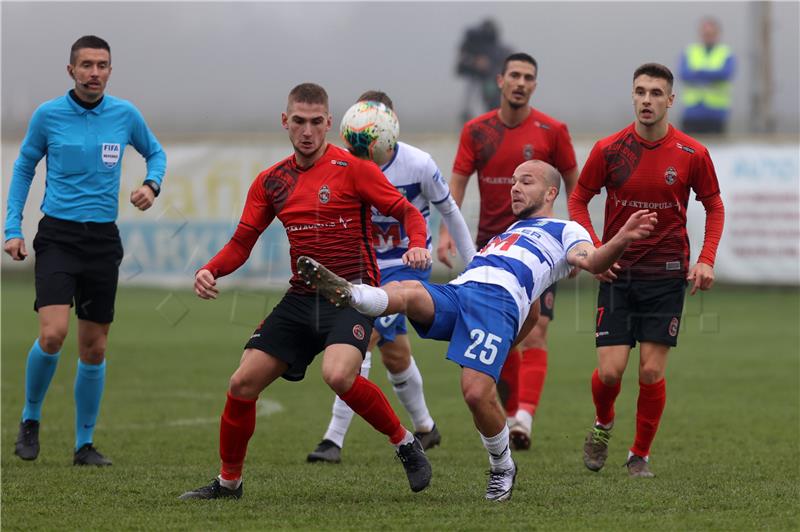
[
  {"x": 89, "y": 382},
  {"x": 38, "y": 374}
]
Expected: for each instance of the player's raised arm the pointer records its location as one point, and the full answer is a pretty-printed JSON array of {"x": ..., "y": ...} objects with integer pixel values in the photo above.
[{"x": 597, "y": 260}]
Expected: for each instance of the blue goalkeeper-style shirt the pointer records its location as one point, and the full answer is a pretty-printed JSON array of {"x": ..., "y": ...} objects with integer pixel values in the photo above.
[{"x": 84, "y": 149}]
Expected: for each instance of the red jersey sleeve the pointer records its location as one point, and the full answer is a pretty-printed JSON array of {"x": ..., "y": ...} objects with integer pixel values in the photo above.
[
  {"x": 390, "y": 202},
  {"x": 593, "y": 174},
  {"x": 465, "y": 156},
  {"x": 704, "y": 177},
  {"x": 564, "y": 152},
  {"x": 590, "y": 182},
  {"x": 257, "y": 215},
  {"x": 706, "y": 188}
]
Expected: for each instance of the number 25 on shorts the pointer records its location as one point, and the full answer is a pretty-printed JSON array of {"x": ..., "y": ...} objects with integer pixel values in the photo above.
[{"x": 488, "y": 342}]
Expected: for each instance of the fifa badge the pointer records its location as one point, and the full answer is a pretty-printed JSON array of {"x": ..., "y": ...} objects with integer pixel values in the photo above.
[{"x": 110, "y": 154}]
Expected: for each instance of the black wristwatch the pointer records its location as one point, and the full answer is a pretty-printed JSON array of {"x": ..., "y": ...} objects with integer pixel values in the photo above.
[{"x": 155, "y": 187}]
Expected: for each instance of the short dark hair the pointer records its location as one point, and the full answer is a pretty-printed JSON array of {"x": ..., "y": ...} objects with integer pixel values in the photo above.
[
  {"x": 521, "y": 56},
  {"x": 88, "y": 41},
  {"x": 377, "y": 96},
  {"x": 654, "y": 70},
  {"x": 309, "y": 93}
]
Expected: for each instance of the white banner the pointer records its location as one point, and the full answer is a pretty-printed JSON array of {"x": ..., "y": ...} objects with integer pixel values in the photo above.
[{"x": 761, "y": 190}]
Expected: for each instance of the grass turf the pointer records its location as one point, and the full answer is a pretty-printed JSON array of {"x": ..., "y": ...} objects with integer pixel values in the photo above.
[{"x": 725, "y": 455}]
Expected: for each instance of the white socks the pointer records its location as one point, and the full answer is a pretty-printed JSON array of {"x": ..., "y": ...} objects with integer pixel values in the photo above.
[
  {"x": 646, "y": 458},
  {"x": 408, "y": 386},
  {"x": 408, "y": 438},
  {"x": 499, "y": 451},
  {"x": 604, "y": 427},
  {"x": 369, "y": 300},
  {"x": 230, "y": 484},
  {"x": 343, "y": 414},
  {"x": 524, "y": 418}
]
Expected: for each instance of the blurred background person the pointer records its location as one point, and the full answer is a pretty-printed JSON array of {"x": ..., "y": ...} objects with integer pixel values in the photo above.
[
  {"x": 707, "y": 68},
  {"x": 480, "y": 59}
]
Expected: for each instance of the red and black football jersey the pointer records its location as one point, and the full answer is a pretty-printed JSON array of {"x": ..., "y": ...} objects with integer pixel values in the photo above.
[
  {"x": 325, "y": 210},
  {"x": 657, "y": 176},
  {"x": 495, "y": 150}
]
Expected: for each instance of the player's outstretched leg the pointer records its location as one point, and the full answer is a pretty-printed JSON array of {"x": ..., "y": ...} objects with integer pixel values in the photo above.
[
  {"x": 368, "y": 300},
  {"x": 330, "y": 285}
]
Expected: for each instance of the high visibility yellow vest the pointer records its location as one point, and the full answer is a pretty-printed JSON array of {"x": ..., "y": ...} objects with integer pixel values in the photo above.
[{"x": 715, "y": 95}]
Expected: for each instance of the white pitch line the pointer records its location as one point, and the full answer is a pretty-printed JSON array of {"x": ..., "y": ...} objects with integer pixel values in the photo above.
[{"x": 264, "y": 408}]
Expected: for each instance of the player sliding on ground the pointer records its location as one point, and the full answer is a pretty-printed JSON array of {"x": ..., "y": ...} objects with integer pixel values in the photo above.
[{"x": 491, "y": 304}]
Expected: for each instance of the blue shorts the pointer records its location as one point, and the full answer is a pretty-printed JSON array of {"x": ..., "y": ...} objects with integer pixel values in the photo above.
[
  {"x": 393, "y": 325},
  {"x": 480, "y": 321}
]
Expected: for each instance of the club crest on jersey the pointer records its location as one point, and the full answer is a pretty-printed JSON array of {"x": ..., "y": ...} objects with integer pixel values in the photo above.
[
  {"x": 671, "y": 175},
  {"x": 110, "y": 154},
  {"x": 673, "y": 327},
  {"x": 527, "y": 152},
  {"x": 359, "y": 332},
  {"x": 324, "y": 194}
]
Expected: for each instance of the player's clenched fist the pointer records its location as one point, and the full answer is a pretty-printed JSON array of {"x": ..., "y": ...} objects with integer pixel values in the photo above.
[
  {"x": 16, "y": 248},
  {"x": 417, "y": 258}
]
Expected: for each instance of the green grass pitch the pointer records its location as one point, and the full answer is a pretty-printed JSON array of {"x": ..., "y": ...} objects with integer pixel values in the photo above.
[{"x": 725, "y": 456}]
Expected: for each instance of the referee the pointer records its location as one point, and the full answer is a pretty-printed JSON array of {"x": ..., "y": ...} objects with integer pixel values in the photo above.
[{"x": 83, "y": 134}]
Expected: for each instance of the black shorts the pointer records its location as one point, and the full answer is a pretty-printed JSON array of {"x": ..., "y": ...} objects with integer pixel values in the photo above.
[
  {"x": 301, "y": 326},
  {"x": 644, "y": 311},
  {"x": 548, "y": 302},
  {"x": 78, "y": 264}
]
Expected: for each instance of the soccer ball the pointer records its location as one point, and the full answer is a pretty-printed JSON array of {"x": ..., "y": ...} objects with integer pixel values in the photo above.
[{"x": 369, "y": 130}]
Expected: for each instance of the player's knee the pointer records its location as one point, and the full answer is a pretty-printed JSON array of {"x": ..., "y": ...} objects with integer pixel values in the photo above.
[
  {"x": 93, "y": 351},
  {"x": 396, "y": 362},
  {"x": 52, "y": 338},
  {"x": 610, "y": 376},
  {"x": 650, "y": 374},
  {"x": 534, "y": 341},
  {"x": 241, "y": 385},
  {"x": 340, "y": 380},
  {"x": 477, "y": 397}
]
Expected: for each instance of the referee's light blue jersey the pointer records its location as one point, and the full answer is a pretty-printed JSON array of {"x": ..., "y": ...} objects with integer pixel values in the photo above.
[{"x": 84, "y": 149}]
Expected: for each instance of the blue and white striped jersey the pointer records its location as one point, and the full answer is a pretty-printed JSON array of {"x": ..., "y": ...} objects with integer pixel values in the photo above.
[
  {"x": 415, "y": 174},
  {"x": 526, "y": 258}
]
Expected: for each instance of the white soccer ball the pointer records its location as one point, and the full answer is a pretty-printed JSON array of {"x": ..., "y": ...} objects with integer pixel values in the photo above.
[{"x": 369, "y": 130}]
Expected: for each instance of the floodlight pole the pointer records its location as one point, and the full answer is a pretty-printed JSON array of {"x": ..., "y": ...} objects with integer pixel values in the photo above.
[{"x": 762, "y": 117}]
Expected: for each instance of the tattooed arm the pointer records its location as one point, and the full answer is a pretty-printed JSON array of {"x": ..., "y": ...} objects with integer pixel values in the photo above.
[{"x": 597, "y": 260}]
